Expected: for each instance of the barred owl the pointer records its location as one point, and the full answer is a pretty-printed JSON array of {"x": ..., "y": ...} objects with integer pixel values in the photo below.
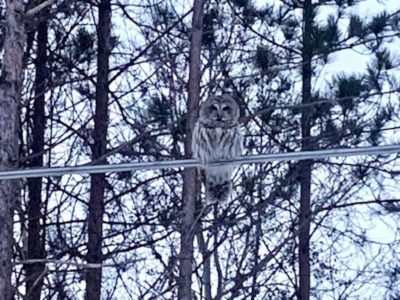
[{"x": 217, "y": 136}]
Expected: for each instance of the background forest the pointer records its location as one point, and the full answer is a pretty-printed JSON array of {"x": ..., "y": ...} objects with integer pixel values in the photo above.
[{"x": 114, "y": 81}]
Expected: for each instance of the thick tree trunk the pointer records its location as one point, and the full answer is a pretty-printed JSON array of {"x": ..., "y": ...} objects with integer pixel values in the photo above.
[
  {"x": 97, "y": 186},
  {"x": 34, "y": 279},
  {"x": 306, "y": 165},
  {"x": 189, "y": 175},
  {"x": 10, "y": 87}
]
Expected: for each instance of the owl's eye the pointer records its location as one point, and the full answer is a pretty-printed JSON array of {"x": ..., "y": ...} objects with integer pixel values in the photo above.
[
  {"x": 226, "y": 109},
  {"x": 213, "y": 108}
]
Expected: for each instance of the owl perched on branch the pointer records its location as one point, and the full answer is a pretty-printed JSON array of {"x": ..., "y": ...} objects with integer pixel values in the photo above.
[{"x": 216, "y": 136}]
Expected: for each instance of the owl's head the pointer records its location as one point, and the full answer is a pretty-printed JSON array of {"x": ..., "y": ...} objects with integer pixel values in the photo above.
[{"x": 219, "y": 111}]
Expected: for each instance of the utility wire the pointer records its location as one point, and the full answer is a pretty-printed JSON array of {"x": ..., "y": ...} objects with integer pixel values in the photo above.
[
  {"x": 75, "y": 264},
  {"x": 187, "y": 163}
]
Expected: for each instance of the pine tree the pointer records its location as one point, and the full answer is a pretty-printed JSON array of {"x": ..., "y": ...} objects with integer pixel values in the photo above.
[
  {"x": 288, "y": 227},
  {"x": 99, "y": 148},
  {"x": 10, "y": 92},
  {"x": 190, "y": 186},
  {"x": 35, "y": 246}
]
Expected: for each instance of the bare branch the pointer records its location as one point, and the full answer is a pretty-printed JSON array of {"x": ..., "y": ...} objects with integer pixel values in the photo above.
[{"x": 33, "y": 11}]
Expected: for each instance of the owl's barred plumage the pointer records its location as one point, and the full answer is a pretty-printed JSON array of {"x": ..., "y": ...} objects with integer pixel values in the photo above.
[{"x": 217, "y": 136}]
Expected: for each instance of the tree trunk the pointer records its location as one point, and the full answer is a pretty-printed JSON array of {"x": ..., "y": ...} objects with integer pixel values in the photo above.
[
  {"x": 97, "y": 186},
  {"x": 34, "y": 280},
  {"x": 206, "y": 277},
  {"x": 190, "y": 174},
  {"x": 306, "y": 165},
  {"x": 10, "y": 87}
]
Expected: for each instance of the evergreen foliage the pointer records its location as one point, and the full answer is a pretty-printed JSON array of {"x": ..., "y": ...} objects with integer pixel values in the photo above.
[{"x": 246, "y": 248}]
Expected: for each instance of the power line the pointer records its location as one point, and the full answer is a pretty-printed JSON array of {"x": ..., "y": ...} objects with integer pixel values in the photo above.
[
  {"x": 187, "y": 163},
  {"x": 75, "y": 264}
]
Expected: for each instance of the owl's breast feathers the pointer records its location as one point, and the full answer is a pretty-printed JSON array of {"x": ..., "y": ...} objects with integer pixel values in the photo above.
[{"x": 216, "y": 143}]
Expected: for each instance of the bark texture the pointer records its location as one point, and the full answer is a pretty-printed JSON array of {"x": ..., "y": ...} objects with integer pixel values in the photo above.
[
  {"x": 10, "y": 87},
  {"x": 97, "y": 186},
  {"x": 189, "y": 174}
]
